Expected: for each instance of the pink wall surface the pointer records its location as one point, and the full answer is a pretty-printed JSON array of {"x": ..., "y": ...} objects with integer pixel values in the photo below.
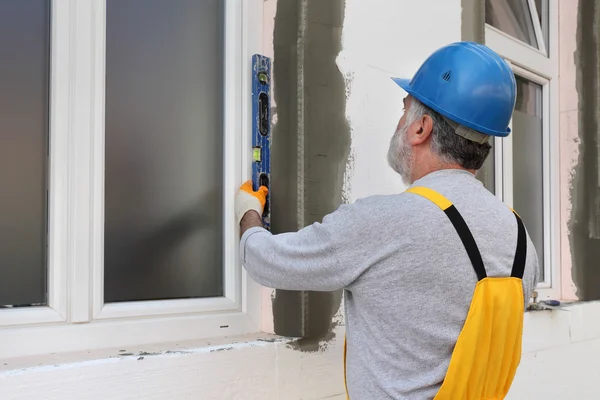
[{"x": 569, "y": 139}]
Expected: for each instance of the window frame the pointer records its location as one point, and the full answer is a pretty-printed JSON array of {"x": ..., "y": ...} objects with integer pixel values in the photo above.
[
  {"x": 535, "y": 65},
  {"x": 58, "y": 187},
  {"x": 539, "y": 34},
  {"x": 76, "y": 317}
]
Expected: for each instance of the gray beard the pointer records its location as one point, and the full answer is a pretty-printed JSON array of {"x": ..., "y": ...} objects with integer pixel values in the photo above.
[{"x": 399, "y": 155}]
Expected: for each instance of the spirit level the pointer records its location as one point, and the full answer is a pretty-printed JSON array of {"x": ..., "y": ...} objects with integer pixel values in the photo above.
[{"x": 261, "y": 129}]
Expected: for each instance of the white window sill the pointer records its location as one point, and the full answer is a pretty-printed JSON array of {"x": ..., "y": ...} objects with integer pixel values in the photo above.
[
  {"x": 58, "y": 361},
  {"x": 574, "y": 322},
  {"x": 37, "y": 340}
]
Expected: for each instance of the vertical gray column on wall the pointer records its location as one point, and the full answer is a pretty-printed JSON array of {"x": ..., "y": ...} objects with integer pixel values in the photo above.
[
  {"x": 311, "y": 141},
  {"x": 473, "y": 30},
  {"x": 585, "y": 191},
  {"x": 473, "y": 21}
]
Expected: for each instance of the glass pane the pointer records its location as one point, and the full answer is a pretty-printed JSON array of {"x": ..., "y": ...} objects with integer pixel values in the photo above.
[
  {"x": 544, "y": 17},
  {"x": 511, "y": 17},
  {"x": 164, "y": 149},
  {"x": 528, "y": 172},
  {"x": 487, "y": 172},
  {"x": 24, "y": 103}
]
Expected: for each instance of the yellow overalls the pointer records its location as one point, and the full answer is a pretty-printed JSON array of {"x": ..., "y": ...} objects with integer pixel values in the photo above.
[{"x": 488, "y": 350}]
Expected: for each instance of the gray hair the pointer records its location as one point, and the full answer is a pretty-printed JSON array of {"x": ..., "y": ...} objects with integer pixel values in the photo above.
[{"x": 448, "y": 145}]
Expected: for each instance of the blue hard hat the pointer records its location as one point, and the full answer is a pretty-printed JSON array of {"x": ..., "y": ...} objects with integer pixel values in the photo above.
[{"x": 467, "y": 83}]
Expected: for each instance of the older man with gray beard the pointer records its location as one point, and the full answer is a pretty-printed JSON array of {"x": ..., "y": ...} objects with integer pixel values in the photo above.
[{"x": 435, "y": 278}]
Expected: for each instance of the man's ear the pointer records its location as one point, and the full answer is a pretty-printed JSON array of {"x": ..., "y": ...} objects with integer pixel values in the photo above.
[{"x": 422, "y": 129}]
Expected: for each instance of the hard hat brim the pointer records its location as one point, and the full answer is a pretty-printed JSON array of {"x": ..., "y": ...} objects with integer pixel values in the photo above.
[{"x": 405, "y": 85}]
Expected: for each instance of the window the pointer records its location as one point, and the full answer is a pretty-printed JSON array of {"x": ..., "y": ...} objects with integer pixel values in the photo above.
[
  {"x": 125, "y": 123},
  {"x": 528, "y": 151},
  {"x": 512, "y": 17},
  {"x": 525, "y": 20},
  {"x": 525, "y": 164}
]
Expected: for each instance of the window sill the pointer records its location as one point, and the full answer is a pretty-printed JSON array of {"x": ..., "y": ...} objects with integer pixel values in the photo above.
[
  {"x": 573, "y": 323},
  {"x": 57, "y": 361},
  {"x": 547, "y": 306},
  {"x": 37, "y": 340}
]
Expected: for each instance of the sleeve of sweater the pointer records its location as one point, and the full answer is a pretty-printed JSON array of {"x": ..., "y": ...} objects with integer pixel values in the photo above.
[{"x": 324, "y": 256}]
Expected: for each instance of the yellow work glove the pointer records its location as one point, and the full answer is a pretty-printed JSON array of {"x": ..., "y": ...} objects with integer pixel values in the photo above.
[{"x": 247, "y": 199}]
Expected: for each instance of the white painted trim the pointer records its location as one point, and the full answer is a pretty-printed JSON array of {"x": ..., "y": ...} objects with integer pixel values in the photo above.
[
  {"x": 530, "y": 76},
  {"x": 58, "y": 234},
  {"x": 518, "y": 52},
  {"x": 82, "y": 158},
  {"x": 58, "y": 179},
  {"x": 120, "y": 334},
  {"x": 252, "y": 42},
  {"x": 98, "y": 143},
  {"x": 27, "y": 316},
  {"x": 235, "y": 105},
  {"x": 154, "y": 308}
]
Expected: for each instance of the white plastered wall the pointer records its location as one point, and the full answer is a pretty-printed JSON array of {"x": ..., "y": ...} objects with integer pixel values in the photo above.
[{"x": 381, "y": 38}]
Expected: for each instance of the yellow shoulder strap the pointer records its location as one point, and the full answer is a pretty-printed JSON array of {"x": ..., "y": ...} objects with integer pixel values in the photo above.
[{"x": 432, "y": 196}]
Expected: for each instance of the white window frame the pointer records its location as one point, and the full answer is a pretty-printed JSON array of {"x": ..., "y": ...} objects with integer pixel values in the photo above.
[
  {"x": 58, "y": 237},
  {"x": 535, "y": 65},
  {"x": 76, "y": 317}
]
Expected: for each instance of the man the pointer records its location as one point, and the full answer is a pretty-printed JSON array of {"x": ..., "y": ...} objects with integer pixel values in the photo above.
[{"x": 415, "y": 264}]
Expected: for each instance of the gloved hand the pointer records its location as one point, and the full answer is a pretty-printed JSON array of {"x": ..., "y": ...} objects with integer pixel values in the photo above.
[{"x": 247, "y": 199}]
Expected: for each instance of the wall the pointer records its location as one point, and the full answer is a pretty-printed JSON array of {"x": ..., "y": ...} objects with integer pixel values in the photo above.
[
  {"x": 244, "y": 369},
  {"x": 376, "y": 46},
  {"x": 569, "y": 131},
  {"x": 311, "y": 141},
  {"x": 584, "y": 221},
  {"x": 380, "y": 38},
  {"x": 556, "y": 361},
  {"x": 556, "y": 365}
]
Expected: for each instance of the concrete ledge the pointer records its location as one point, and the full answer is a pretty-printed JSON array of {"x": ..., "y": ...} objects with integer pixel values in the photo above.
[
  {"x": 549, "y": 329},
  {"x": 249, "y": 367}
]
